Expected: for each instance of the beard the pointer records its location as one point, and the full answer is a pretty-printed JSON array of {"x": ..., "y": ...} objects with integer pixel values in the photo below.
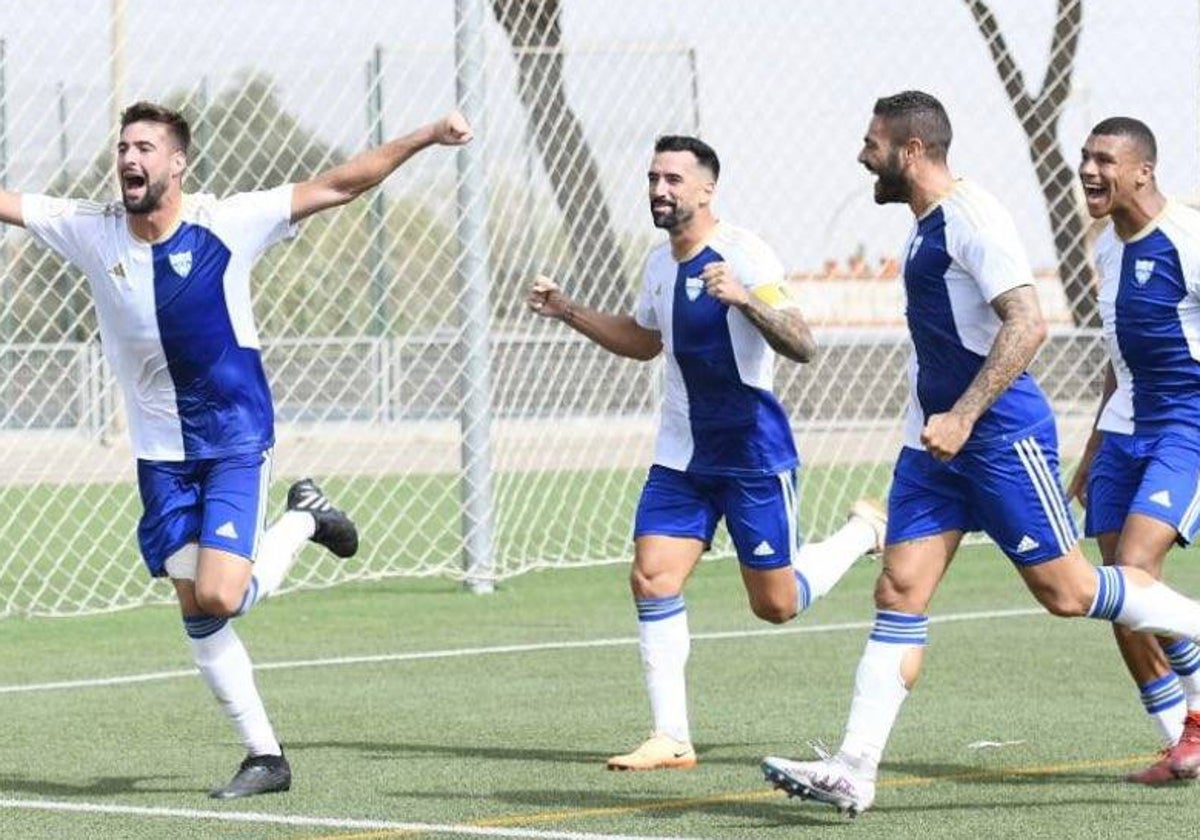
[
  {"x": 673, "y": 219},
  {"x": 890, "y": 186},
  {"x": 149, "y": 201}
]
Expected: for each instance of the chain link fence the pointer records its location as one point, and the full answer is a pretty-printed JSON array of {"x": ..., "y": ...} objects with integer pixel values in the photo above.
[{"x": 366, "y": 316}]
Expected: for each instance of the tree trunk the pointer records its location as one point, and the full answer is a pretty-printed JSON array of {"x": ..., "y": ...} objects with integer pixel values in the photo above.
[
  {"x": 1039, "y": 118},
  {"x": 596, "y": 273}
]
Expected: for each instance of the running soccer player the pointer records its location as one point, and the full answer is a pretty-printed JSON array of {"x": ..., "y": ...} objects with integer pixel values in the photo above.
[
  {"x": 713, "y": 298},
  {"x": 170, "y": 276},
  {"x": 980, "y": 450},
  {"x": 1140, "y": 474}
]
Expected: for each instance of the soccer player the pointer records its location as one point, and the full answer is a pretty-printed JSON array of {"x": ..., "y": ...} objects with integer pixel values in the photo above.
[
  {"x": 170, "y": 276},
  {"x": 713, "y": 298},
  {"x": 1140, "y": 474},
  {"x": 980, "y": 450}
]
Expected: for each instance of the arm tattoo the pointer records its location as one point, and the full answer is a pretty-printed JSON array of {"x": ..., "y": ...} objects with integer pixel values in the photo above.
[
  {"x": 785, "y": 330},
  {"x": 1022, "y": 331}
]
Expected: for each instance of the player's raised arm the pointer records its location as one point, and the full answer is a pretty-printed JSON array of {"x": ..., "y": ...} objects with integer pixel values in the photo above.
[
  {"x": 620, "y": 334},
  {"x": 346, "y": 182},
  {"x": 10, "y": 208},
  {"x": 769, "y": 308}
]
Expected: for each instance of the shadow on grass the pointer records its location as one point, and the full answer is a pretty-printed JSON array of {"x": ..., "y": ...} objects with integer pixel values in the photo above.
[
  {"x": 707, "y": 753},
  {"x": 103, "y": 786}
]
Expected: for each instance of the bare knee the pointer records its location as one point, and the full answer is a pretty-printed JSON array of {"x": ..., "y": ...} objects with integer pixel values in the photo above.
[
  {"x": 217, "y": 602},
  {"x": 658, "y": 583},
  {"x": 1064, "y": 602},
  {"x": 773, "y": 611}
]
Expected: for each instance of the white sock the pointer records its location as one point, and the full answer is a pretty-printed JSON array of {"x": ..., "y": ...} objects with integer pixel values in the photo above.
[
  {"x": 1154, "y": 609},
  {"x": 1184, "y": 656},
  {"x": 1163, "y": 700},
  {"x": 879, "y": 689},
  {"x": 277, "y": 552},
  {"x": 225, "y": 666},
  {"x": 822, "y": 564},
  {"x": 665, "y": 644}
]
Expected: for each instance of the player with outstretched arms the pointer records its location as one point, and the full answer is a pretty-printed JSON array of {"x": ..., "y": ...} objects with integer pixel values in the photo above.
[{"x": 170, "y": 276}]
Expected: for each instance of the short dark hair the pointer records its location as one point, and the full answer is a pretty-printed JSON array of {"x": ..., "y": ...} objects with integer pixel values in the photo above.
[
  {"x": 914, "y": 113},
  {"x": 706, "y": 156},
  {"x": 153, "y": 112},
  {"x": 1135, "y": 130}
]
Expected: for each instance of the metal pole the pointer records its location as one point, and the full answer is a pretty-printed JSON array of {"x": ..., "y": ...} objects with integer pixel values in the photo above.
[
  {"x": 116, "y": 67},
  {"x": 201, "y": 134},
  {"x": 3, "y": 114},
  {"x": 7, "y": 333},
  {"x": 375, "y": 259},
  {"x": 475, "y": 417},
  {"x": 695, "y": 73}
]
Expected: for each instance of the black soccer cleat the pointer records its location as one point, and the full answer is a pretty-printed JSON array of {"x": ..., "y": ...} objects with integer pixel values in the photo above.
[
  {"x": 257, "y": 774},
  {"x": 334, "y": 529}
]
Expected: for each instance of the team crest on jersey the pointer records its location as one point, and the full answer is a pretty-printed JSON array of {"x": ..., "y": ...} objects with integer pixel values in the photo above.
[
  {"x": 916, "y": 246},
  {"x": 1142, "y": 270},
  {"x": 181, "y": 262},
  {"x": 692, "y": 287}
]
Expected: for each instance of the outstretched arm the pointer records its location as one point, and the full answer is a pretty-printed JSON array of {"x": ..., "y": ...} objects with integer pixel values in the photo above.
[
  {"x": 1021, "y": 333},
  {"x": 783, "y": 326},
  {"x": 348, "y": 181},
  {"x": 10, "y": 209},
  {"x": 619, "y": 334}
]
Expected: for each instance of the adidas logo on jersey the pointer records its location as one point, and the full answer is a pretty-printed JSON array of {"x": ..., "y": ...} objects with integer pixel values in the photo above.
[
  {"x": 763, "y": 549},
  {"x": 117, "y": 272},
  {"x": 1027, "y": 543},
  {"x": 227, "y": 531},
  {"x": 692, "y": 287},
  {"x": 1162, "y": 497}
]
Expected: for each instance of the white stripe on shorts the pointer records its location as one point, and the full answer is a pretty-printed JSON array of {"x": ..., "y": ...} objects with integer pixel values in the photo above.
[{"x": 1047, "y": 490}]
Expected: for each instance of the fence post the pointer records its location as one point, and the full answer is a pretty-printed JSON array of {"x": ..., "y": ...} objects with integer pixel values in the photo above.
[{"x": 471, "y": 232}]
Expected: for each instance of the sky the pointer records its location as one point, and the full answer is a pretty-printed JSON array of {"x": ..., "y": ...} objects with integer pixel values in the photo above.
[{"x": 783, "y": 89}]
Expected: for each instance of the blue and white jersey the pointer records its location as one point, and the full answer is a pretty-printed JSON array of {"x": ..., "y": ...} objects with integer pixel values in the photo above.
[
  {"x": 1150, "y": 308},
  {"x": 719, "y": 414},
  {"x": 960, "y": 256},
  {"x": 175, "y": 318}
]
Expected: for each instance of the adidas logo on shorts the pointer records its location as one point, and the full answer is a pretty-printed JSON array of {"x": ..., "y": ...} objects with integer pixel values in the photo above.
[
  {"x": 1027, "y": 543},
  {"x": 227, "y": 531},
  {"x": 763, "y": 549}
]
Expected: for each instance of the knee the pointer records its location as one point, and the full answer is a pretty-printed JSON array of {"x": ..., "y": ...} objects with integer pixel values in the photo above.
[
  {"x": 217, "y": 602},
  {"x": 774, "y": 612},
  {"x": 645, "y": 584},
  {"x": 1064, "y": 603}
]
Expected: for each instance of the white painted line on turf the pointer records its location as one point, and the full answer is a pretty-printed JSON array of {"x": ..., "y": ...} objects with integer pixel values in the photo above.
[
  {"x": 460, "y": 830},
  {"x": 454, "y": 653}
]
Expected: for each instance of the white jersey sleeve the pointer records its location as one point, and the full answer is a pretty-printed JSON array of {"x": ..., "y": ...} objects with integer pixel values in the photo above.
[
  {"x": 251, "y": 222},
  {"x": 986, "y": 244},
  {"x": 69, "y": 227}
]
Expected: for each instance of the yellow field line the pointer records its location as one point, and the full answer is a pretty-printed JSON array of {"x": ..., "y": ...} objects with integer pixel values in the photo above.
[{"x": 566, "y": 815}]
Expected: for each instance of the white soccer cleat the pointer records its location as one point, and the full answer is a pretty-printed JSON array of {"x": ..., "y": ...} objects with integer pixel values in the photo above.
[
  {"x": 829, "y": 780},
  {"x": 658, "y": 752},
  {"x": 875, "y": 516}
]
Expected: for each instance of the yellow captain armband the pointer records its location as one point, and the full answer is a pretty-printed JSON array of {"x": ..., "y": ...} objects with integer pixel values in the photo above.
[{"x": 774, "y": 295}]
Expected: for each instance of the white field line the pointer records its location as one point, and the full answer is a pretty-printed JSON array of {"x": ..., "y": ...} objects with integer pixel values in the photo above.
[
  {"x": 455, "y": 653},
  {"x": 459, "y": 830}
]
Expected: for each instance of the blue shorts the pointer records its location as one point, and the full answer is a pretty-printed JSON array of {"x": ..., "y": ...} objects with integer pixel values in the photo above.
[
  {"x": 760, "y": 512},
  {"x": 1009, "y": 490},
  {"x": 1155, "y": 475},
  {"x": 216, "y": 502}
]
